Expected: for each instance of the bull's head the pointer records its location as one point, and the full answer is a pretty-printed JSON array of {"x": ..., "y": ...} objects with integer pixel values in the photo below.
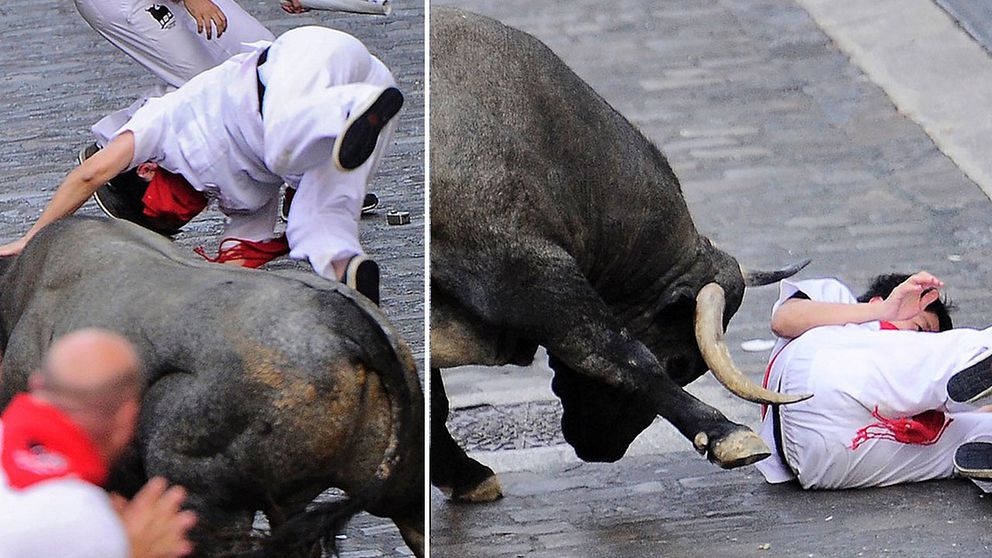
[{"x": 685, "y": 333}]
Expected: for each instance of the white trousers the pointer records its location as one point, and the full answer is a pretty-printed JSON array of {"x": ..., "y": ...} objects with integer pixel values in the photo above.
[
  {"x": 315, "y": 78},
  {"x": 851, "y": 373},
  {"x": 161, "y": 36}
]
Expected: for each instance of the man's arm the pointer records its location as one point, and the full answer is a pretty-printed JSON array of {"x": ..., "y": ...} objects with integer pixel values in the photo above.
[
  {"x": 797, "y": 316},
  {"x": 78, "y": 186}
]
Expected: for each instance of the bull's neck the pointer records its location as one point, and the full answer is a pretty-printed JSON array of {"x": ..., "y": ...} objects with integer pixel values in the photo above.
[{"x": 643, "y": 279}]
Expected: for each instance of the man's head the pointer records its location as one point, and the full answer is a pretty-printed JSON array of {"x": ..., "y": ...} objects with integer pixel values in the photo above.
[
  {"x": 153, "y": 198},
  {"x": 936, "y": 317},
  {"x": 94, "y": 376}
]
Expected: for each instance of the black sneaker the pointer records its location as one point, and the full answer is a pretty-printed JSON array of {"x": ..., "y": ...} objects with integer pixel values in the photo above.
[
  {"x": 974, "y": 460},
  {"x": 287, "y": 201},
  {"x": 87, "y": 152},
  {"x": 362, "y": 274},
  {"x": 114, "y": 199},
  {"x": 369, "y": 204},
  {"x": 974, "y": 382},
  {"x": 356, "y": 144},
  {"x": 120, "y": 202}
]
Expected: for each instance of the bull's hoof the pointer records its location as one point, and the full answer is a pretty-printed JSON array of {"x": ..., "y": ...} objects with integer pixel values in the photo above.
[
  {"x": 487, "y": 490},
  {"x": 739, "y": 448}
]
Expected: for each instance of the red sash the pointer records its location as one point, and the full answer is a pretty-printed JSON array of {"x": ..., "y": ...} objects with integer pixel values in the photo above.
[
  {"x": 923, "y": 429},
  {"x": 41, "y": 443},
  {"x": 254, "y": 253}
]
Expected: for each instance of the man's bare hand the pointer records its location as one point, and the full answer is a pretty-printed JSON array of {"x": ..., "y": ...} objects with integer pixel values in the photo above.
[
  {"x": 912, "y": 296},
  {"x": 208, "y": 17},
  {"x": 293, "y": 7},
  {"x": 13, "y": 248},
  {"x": 155, "y": 526}
]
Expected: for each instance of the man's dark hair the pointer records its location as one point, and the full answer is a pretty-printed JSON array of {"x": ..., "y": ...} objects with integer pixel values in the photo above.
[{"x": 883, "y": 285}]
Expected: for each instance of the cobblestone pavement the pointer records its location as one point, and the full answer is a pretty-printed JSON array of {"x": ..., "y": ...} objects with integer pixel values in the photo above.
[
  {"x": 58, "y": 77},
  {"x": 785, "y": 150}
]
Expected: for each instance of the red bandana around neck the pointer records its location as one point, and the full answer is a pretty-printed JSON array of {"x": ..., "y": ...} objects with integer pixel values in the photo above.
[
  {"x": 41, "y": 443},
  {"x": 171, "y": 199}
]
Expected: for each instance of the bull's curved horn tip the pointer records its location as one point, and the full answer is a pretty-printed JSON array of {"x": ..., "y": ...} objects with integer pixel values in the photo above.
[
  {"x": 790, "y": 398},
  {"x": 758, "y": 278}
]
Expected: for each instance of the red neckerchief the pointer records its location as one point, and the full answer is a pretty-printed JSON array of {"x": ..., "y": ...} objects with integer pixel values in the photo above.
[
  {"x": 171, "y": 199},
  {"x": 41, "y": 443},
  {"x": 887, "y": 326}
]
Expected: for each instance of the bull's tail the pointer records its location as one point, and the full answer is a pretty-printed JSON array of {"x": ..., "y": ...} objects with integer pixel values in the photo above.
[
  {"x": 400, "y": 470},
  {"x": 317, "y": 527},
  {"x": 397, "y": 371}
]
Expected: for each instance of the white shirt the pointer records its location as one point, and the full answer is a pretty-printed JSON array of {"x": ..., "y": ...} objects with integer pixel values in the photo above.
[
  {"x": 820, "y": 290},
  {"x": 63, "y": 518},
  {"x": 210, "y": 131}
]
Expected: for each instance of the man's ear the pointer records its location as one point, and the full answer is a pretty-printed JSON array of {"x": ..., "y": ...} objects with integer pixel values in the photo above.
[{"x": 147, "y": 170}]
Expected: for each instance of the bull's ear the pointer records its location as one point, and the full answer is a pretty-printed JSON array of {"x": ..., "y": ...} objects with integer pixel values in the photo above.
[{"x": 598, "y": 420}]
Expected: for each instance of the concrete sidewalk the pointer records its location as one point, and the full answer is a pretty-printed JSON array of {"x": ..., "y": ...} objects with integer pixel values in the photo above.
[{"x": 785, "y": 149}]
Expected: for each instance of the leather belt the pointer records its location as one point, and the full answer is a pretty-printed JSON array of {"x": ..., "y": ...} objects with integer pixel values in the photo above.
[
  {"x": 777, "y": 431},
  {"x": 258, "y": 78}
]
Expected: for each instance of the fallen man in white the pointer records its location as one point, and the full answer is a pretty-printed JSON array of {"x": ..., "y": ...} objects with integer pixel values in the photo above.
[{"x": 893, "y": 386}]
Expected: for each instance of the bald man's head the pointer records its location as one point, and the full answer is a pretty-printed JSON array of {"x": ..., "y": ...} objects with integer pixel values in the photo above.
[{"x": 94, "y": 376}]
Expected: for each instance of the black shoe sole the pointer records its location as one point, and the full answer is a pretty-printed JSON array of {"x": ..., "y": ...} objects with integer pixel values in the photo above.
[
  {"x": 974, "y": 460},
  {"x": 87, "y": 152},
  {"x": 114, "y": 205},
  {"x": 359, "y": 140},
  {"x": 971, "y": 383},
  {"x": 365, "y": 279},
  {"x": 369, "y": 204}
]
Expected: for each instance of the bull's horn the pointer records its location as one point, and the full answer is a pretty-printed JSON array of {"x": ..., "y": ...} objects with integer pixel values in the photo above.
[
  {"x": 709, "y": 337},
  {"x": 760, "y": 278}
]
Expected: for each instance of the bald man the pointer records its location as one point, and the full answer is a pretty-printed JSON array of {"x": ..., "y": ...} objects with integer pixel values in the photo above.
[{"x": 57, "y": 444}]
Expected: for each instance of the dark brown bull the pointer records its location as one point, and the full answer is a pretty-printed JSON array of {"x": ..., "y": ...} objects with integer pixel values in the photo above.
[
  {"x": 264, "y": 389},
  {"x": 554, "y": 222}
]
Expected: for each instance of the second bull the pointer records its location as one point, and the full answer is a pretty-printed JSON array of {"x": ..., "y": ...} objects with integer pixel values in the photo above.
[{"x": 554, "y": 222}]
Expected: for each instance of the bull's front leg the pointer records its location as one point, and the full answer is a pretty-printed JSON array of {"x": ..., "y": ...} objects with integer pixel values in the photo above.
[
  {"x": 599, "y": 352},
  {"x": 555, "y": 305},
  {"x": 455, "y": 473}
]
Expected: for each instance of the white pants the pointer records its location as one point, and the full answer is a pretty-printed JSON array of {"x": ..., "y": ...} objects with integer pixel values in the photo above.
[
  {"x": 161, "y": 36},
  {"x": 315, "y": 78},
  {"x": 852, "y": 373}
]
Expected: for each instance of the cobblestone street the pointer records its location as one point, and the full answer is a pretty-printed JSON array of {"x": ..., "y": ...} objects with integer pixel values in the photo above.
[
  {"x": 785, "y": 149},
  {"x": 58, "y": 77}
]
